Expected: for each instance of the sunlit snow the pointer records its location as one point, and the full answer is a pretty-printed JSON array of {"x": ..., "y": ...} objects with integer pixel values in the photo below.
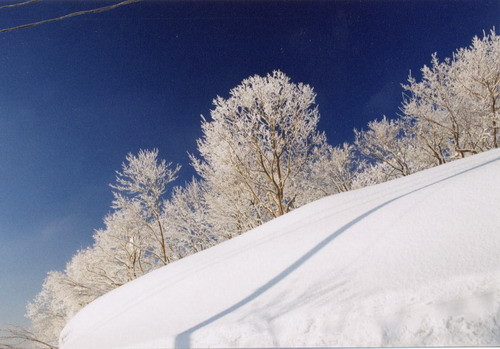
[{"x": 411, "y": 262}]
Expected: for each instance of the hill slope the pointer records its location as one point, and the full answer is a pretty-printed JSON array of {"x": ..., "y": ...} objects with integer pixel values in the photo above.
[{"x": 410, "y": 262}]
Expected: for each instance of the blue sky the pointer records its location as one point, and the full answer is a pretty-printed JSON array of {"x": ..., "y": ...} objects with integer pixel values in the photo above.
[{"x": 77, "y": 95}]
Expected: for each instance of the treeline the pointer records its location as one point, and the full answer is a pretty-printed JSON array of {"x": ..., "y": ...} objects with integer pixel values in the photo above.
[{"x": 261, "y": 156}]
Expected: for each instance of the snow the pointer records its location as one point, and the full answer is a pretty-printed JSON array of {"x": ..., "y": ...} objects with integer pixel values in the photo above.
[{"x": 411, "y": 262}]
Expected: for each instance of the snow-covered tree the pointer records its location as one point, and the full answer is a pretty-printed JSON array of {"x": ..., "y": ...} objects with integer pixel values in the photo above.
[
  {"x": 88, "y": 275},
  {"x": 141, "y": 184},
  {"x": 123, "y": 247},
  {"x": 334, "y": 172},
  {"x": 187, "y": 216},
  {"x": 48, "y": 312},
  {"x": 256, "y": 151},
  {"x": 395, "y": 144},
  {"x": 456, "y": 104},
  {"x": 477, "y": 72},
  {"x": 133, "y": 242}
]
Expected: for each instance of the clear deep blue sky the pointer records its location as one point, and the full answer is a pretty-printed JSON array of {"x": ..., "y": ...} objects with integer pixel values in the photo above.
[{"x": 77, "y": 95}]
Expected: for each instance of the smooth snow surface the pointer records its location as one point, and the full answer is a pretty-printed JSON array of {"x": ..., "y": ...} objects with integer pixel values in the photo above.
[{"x": 411, "y": 262}]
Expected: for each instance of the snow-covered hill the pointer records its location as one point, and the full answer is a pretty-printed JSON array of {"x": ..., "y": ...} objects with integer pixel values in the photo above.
[{"x": 411, "y": 262}]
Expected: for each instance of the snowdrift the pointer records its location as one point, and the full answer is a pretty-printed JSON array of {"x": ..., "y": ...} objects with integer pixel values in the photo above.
[{"x": 411, "y": 262}]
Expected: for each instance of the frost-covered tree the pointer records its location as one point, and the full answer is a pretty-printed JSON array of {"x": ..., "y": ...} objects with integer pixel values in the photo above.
[
  {"x": 257, "y": 149},
  {"x": 63, "y": 294},
  {"x": 133, "y": 242},
  {"x": 123, "y": 247},
  {"x": 187, "y": 215},
  {"x": 118, "y": 255},
  {"x": 477, "y": 71},
  {"x": 91, "y": 273},
  {"x": 141, "y": 185},
  {"x": 395, "y": 144},
  {"x": 48, "y": 312},
  {"x": 334, "y": 172},
  {"x": 456, "y": 104}
]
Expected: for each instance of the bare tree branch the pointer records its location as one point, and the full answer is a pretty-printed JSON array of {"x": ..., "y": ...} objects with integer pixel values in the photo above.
[
  {"x": 21, "y": 336},
  {"x": 69, "y": 15},
  {"x": 19, "y": 4}
]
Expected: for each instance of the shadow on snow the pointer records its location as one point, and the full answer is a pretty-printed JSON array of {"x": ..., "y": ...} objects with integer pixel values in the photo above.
[{"x": 183, "y": 339}]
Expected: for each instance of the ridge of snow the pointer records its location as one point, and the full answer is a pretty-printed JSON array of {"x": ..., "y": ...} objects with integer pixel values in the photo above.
[{"x": 410, "y": 262}]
